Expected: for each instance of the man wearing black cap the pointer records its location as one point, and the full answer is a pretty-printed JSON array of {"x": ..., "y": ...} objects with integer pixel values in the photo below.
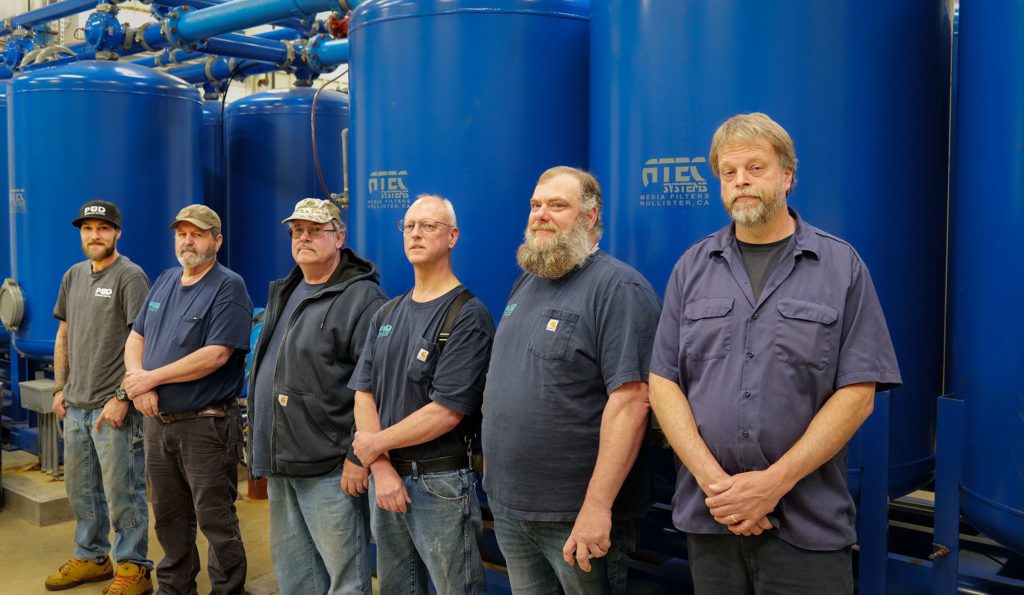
[
  {"x": 103, "y": 464},
  {"x": 185, "y": 361}
]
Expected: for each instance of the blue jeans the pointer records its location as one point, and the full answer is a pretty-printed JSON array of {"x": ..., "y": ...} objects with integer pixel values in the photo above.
[
  {"x": 533, "y": 557},
  {"x": 319, "y": 536},
  {"x": 437, "y": 539},
  {"x": 105, "y": 478}
]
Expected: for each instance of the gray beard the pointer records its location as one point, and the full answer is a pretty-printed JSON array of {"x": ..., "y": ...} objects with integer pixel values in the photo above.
[
  {"x": 762, "y": 213},
  {"x": 191, "y": 260},
  {"x": 563, "y": 253}
]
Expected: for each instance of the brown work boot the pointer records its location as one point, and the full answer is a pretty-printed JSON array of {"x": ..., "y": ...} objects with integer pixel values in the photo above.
[
  {"x": 131, "y": 579},
  {"x": 74, "y": 572}
]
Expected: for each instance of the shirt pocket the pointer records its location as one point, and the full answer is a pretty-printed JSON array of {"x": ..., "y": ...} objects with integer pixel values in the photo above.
[
  {"x": 423, "y": 362},
  {"x": 189, "y": 332},
  {"x": 805, "y": 333},
  {"x": 708, "y": 328},
  {"x": 553, "y": 331}
]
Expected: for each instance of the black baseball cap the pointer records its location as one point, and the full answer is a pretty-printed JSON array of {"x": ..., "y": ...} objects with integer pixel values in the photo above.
[{"x": 99, "y": 209}]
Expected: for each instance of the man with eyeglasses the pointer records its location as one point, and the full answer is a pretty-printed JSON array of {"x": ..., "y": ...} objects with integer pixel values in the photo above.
[
  {"x": 565, "y": 408},
  {"x": 185, "y": 362},
  {"x": 419, "y": 384},
  {"x": 300, "y": 409}
]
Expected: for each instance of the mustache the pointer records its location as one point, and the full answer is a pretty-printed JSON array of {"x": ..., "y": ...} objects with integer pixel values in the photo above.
[
  {"x": 309, "y": 245},
  {"x": 748, "y": 193},
  {"x": 544, "y": 227}
]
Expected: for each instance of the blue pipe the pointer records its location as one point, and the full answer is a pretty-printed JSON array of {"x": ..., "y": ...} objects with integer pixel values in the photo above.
[
  {"x": 166, "y": 5},
  {"x": 220, "y": 70},
  {"x": 239, "y": 14},
  {"x": 168, "y": 57},
  {"x": 324, "y": 54},
  {"x": 247, "y": 48},
  {"x": 46, "y": 14}
]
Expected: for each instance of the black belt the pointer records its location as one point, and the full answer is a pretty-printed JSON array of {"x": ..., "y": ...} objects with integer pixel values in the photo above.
[
  {"x": 438, "y": 465},
  {"x": 216, "y": 410}
]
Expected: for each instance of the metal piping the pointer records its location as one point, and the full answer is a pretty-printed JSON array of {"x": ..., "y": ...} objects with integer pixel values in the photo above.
[
  {"x": 239, "y": 14},
  {"x": 303, "y": 25},
  {"x": 46, "y": 14}
]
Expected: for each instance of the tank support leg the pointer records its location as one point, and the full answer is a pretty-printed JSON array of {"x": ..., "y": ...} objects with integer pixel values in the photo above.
[{"x": 949, "y": 461}]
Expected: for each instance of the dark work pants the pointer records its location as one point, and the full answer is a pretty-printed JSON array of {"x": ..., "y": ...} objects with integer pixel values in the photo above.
[
  {"x": 765, "y": 565},
  {"x": 192, "y": 471}
]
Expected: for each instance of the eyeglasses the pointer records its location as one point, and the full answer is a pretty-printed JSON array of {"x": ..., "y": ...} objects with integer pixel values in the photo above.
[
  {"x": 427, "y": 225},
  {"x": 315, "y": 233}
]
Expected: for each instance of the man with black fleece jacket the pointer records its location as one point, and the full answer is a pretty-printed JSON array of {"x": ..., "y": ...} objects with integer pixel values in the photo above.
[{"x": 301, "y": 411}]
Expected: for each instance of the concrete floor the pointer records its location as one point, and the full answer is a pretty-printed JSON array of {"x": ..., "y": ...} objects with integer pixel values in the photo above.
[{"x": 28, "y": 552}]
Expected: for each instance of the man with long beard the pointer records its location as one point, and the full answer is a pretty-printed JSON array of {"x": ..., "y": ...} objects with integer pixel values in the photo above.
[
  {"x": 769, "y": 351},
  {"x": 185, "y": 361},
  {"x": 565, "y": 404},
  {"x": 103, "y": 470}
]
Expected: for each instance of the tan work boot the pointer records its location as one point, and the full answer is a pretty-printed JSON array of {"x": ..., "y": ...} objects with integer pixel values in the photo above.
[
  {"x": 131, "y": 579},
  {"x": 74, "y": 572}
]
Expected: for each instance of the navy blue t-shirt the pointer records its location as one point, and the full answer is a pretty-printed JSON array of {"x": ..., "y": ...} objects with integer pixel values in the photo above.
[
  {"x": 177, "y": 320},
  {"x": 400, "y": 366},
  {"x": 561, "y": 348}
]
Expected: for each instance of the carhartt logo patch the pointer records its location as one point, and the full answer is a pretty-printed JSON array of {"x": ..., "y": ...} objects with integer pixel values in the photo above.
[
  {"x": 552, "y": 325},
  {"x": 509, "y": 309},
  {"x": 104, "y": 292},
  {"x": 283, "y": 400},
  {"x": 384, "y": 330},
  {"x": 422, "y": 355}
]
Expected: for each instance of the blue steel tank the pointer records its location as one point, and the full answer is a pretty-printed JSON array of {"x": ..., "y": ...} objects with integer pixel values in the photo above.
[
  {"x": 270, "y": 167},
  {"x": 986, "y": 269},
  {"x": 472, "y": 100},
  {"x": 94, "y": 130},
  {"x": 864, "y": 96},
  {"x": 5, "y": 213},
  {"x": 214, "y": 169}
]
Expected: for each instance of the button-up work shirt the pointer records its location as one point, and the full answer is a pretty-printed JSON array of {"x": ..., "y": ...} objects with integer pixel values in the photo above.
[{"x": 756, "y": 373}]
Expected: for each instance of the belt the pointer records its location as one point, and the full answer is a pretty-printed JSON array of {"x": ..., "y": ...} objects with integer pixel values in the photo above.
[
  {"x": 216, "y": 410},
  {"x": 438, "y": 465}
]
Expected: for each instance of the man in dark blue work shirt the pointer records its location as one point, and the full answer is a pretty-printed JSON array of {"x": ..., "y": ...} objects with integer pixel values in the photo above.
[
  {"x": 565, "y": 408},
  {"x": 185, "y": 360},
  {"x": 417, "y": 414},
  {"x": 769, "y": 351}
]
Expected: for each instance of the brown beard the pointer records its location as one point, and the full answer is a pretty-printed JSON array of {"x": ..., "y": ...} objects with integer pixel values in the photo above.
[
  {"x": 107, "y": 251},
  {"x": 559, "y": 255}
]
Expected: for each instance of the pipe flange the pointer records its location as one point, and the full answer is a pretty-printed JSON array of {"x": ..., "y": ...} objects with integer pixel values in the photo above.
[
  {"x": 169, "y": 29},
  {"x": 129, "y": 37},
  {"x": 102, "y": 31},
  {"x": 105, "y": 8},
  {"x": 290, "y": 57},
  {"x": 311, "y": 54},
  {"x": 12, "y": 305}
]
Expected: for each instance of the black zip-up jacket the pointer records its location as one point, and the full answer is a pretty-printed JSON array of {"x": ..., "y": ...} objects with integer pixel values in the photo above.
[{"x": 312, "y": 426}]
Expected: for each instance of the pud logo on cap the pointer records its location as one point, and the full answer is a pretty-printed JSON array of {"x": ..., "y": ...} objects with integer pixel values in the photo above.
[{"x": 94, "y": 210}]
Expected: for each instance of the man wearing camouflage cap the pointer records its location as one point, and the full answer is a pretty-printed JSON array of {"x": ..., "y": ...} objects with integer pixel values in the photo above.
[
  {"x": 185, "y": 362},
  {"x": 314, "y": 329}
]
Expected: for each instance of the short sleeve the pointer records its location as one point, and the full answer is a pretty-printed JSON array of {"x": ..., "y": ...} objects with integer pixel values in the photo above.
[
  {"x": 362, "y": 377},
  {"x": 627, "y": 322},
  {"x": 461, "y": 371},
  {"x": 60, "y": 310},
  {"x": 866, "y": 353},
  {"x": 665, "y": 357},
  {"x": 231, "y": 316},
  {"x": 133, "y": 294}
]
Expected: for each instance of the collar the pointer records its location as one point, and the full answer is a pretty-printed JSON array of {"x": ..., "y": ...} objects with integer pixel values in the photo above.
[{"x": 807, "y": 241}]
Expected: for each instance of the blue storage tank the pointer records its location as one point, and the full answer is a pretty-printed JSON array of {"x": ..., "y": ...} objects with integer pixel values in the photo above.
[
  {"x": 864, "y": 94},
  {"x": 986, "y": 269},
  {"x": 470, "y": 99},
  {"x": 270, "y": 168},
  {"x": 5, "y": 213},
  {"x": 214, "y": 167},
  {"x": 94, "y": 130}
]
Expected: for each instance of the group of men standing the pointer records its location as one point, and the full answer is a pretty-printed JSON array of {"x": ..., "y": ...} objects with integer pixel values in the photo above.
[{"x": 369, "y": 415}]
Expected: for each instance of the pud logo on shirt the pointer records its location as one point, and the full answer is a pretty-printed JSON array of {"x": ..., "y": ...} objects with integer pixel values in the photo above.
[
  {"x": 154, "y": 306},
  {"x": 103, "y": 292},
  {"x": 422, "y": 355},
  {"x": 283, "y": 400},
  {"x": 384, "y": 330},
  {"x": 552, "y": 325},
  {"x": 509, "y": 309}
]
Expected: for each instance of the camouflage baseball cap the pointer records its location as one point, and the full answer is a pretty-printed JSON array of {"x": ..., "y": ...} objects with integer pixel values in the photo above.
[
  {"x": 315, "y": 210},
  {"x": 201, "y": 216}
]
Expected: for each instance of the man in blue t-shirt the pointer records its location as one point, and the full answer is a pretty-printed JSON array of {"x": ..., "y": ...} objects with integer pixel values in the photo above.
[
  {"x": 185, "y": 361},
  {"x": 565, "y": 408},
  {"x": 768, "y": 354},
  {"x": 417, "y": 415}
]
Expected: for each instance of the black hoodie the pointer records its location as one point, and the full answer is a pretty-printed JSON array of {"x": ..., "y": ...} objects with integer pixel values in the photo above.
[{"x": 311, "y": 429}]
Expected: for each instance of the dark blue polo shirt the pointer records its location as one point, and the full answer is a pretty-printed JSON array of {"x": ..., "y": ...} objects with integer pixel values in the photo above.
[
  {"x": 561, "y": 348},
  {"x": 177, "y": 320},
  {"x": 756, "y": 372}
]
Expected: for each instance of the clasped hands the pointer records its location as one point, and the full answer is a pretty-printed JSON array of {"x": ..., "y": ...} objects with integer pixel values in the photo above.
[{"x": 742, "y": 502}]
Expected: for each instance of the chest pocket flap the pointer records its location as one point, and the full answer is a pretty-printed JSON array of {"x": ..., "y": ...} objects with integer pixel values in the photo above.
[
  {"x": 552, "y": 333},
  {"x": 802, "y": 310},
  {"x": 708, "y": 308}
]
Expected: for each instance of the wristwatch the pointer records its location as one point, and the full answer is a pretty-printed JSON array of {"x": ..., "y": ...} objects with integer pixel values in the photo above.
[{"x": 121, "y": 394}]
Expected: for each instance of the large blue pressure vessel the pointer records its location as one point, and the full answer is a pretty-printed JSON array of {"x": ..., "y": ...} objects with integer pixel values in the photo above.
[
  {"x": 864, "y": 94},
  {"x": 95, "y": 130},
  {"x": 270, "y": 168},
  {"x": 214, "y": 167},
  {"x": 986, "y": 268},
  {"x": 470, "y": 99},
  {"x": 5, "y": 217}
]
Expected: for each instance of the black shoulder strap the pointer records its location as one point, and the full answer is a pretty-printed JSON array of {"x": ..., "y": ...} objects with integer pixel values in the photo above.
[
  {"x": 385, "y": 310},
  {"x": 449, "y": 318}
]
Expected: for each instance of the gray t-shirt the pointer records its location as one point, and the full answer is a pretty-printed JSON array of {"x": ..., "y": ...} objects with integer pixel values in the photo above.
[
  {"x": 262, "y": 422},
  {"x": 99, "y": 309},
  {"x": 760, "y": 260}
]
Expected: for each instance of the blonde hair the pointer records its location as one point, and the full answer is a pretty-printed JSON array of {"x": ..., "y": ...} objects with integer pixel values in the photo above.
[{"x": 748, "y": 127}]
